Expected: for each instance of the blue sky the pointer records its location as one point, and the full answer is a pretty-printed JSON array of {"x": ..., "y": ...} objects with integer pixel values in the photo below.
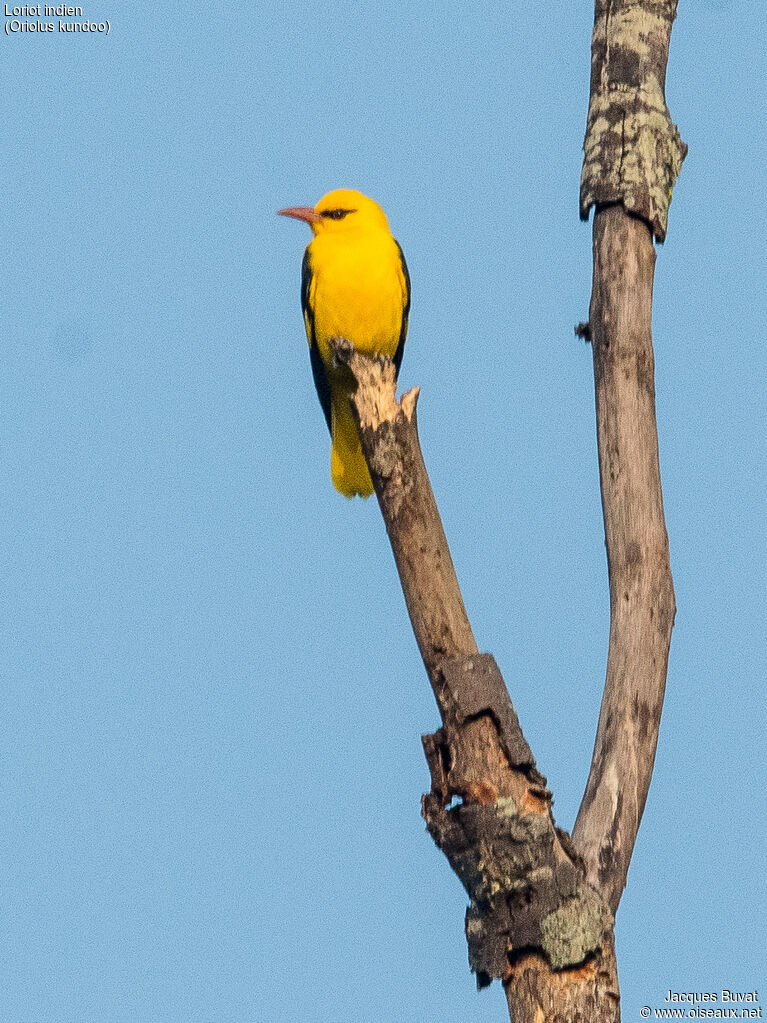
[{"x": 213, "y": 700}]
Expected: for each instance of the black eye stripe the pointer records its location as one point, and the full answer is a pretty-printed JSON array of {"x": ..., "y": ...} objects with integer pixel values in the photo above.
[{"x": 336, "y": 214}]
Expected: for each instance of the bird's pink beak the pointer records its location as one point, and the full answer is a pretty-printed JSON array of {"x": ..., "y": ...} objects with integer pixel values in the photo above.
[{"x": 301, "y": 213}]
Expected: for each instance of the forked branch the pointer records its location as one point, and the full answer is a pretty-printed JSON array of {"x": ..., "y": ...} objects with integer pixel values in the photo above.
[{"x": 541, "y": 906}]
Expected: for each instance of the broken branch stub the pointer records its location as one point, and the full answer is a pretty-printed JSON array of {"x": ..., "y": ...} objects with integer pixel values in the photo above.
[
  {"x": 389, "y": 435},
  {"x": 527, "y": 890}
]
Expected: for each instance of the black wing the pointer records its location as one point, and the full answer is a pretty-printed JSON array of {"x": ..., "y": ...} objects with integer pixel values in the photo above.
[
  {"x": 318, "y": 366},
  {"x": 397, "y": 360}
]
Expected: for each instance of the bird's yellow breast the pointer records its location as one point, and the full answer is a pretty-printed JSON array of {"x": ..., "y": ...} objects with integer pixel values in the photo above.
[{"x": 357, "y": 291}]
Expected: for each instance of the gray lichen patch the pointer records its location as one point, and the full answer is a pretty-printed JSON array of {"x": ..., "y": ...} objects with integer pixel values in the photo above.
[{"x": 575, "y": 930}]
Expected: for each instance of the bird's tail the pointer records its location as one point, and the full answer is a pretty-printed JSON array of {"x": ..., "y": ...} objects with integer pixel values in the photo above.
[{"x": 347, "y": 463}]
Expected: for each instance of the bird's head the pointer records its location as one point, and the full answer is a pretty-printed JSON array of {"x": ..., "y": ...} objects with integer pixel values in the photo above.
[{"x": 340, "y": 212}]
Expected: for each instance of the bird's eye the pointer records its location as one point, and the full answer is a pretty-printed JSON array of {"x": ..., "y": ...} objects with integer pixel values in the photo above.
[{"x": 336, "y": 214}]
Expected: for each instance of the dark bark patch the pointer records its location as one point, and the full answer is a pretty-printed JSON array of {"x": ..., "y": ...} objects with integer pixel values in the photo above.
[{"x": 626, "y": 66}]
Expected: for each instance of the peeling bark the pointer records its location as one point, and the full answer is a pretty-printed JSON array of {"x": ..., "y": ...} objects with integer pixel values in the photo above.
[
  {"x": 633, "y": 152},
  {"x": 526, "y": 890},
  {"x": 585, "y": 995}
]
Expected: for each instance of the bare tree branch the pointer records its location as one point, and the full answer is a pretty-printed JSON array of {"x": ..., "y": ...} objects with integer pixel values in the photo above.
[
  {"x": 532, "y": 915},
  {"x": 431, "y": 589},
  {"x": 633, "y": 154},
  {"x": 641, "y": 591}
]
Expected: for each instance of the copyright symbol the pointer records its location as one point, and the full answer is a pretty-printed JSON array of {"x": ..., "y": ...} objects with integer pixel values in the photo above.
[{"x": 644, "y": 1012}]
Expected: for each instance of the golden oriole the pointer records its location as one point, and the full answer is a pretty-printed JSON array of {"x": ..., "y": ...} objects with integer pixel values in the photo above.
[{"x": 354, "y": 284}]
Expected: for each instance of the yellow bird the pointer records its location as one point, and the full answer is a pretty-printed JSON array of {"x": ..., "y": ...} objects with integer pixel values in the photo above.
[{"x": 354, "y": 284}]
